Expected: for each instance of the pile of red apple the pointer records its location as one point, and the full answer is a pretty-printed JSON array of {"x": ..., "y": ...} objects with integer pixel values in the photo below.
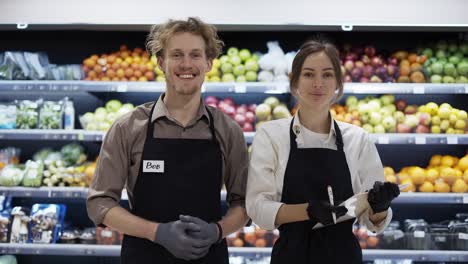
[
  {"x": 243, "y": 114},
  {"x": 366, "y": 241},
  {"x": 365, "y": 65},
  {"x": 252, "y": 237}
]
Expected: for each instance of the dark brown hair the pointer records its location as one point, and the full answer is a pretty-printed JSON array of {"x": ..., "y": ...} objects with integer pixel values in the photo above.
[
  {"x": 159, "y": 35},
  {"x": 311, "y": 47}
]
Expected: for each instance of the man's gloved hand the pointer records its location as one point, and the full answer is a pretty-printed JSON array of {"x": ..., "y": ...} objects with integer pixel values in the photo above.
[
  {"x": 381, "y": 195},
  {"x": 173, "y": 237},
  {"x": 207, "y": 231},
  {"x": 321, "y": 212}
]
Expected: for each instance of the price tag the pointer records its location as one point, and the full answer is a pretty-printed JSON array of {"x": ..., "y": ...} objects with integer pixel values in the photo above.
[
  {"x": 384, "y": 140},
  {"x": 452, "y": 140},
  {"x": 80, "y": 136},
  {"x": 465, "y": 199},
  {"x": 122, "y": 88},
  {"x": 463, "y": 236},
  {"x": 418, "y": 90},
  {"x": 440, "y": 239},
  {"x": 420, "y": 140},
  {"x": 419, "y": 234},
  {"x": 249, "y": 229},
  {"x": 240, "y": 88},
  {"x": 106, "y": 233}
]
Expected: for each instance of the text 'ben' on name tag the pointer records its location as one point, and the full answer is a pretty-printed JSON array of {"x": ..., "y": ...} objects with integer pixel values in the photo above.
[{"x": 153, "y": 166}]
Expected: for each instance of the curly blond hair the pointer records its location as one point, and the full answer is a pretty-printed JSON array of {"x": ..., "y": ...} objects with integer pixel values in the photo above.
[{"x": 159, "y": 35}]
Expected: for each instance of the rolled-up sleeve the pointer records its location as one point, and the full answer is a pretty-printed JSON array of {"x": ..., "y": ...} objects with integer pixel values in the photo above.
[
  {"x": 110, "y": 175},
  {"x": 236, "y": 167},
  {"x": 262, "y": 200},
  {"x": 370, "y": 171}
]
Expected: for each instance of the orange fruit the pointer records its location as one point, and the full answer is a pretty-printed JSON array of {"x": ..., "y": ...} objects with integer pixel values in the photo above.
[
  {"x": 449, "y": 175},
  {"x": 447, "y": 161},
  {"x": 416, "y": 66},
  {"x": 463, "y": 163},
  {"x": 459, "y": 186},
  {"x": 391, "y": 178},
  {"x": 465, "y": 176},
  {"x": 441, "y": 187},
  {"x": 405, "y": 70},
  {"x": 388, "y": 171},
  {"x": 261, "y": 242},
  {"x": 435, "y": 160},
  {"x": 403, "y": 176},
  {"x": 412, "y": 58},
  {"x": 237, "y": 242},
  {"x": 410, "y": 188},
  {"x": 417, "y": 175},
  {"x": 426, "y": 187},
  {"x": 432, "y": 175}
]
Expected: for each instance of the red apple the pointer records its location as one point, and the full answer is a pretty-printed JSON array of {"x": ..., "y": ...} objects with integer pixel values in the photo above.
[
  {"x": 364, "y": 79},
  {"x": 393, "y": 61},
  {"x": 247, "y": 127},
  {"x": 376, "y": 61},
  {"x": 212, "y": 104},
  {"x": 403, "y": 128},
  {"x": 242, "y": 109},
  {"x": 421, "y": 129},
  {"x": 230, "y": 111},
  {"x": 348, "y": 78},
  {"x": 229, "y": 101},
  {"x": 252, "y": 107},
  {"x": 424, "y": 119},
  {"x": 365, "y": 59},
  {"x": 411, "y": 109},
  {"x": 349, "y": 65},
  {"x": 211, "y": 100},
  {"x": 250, "y": 117},
  {"x": 359, "y": 64},
  {"x": 370, "y": 51},
  {"x": 240, "y": 119},
  {"x": 368, "y": 71}
]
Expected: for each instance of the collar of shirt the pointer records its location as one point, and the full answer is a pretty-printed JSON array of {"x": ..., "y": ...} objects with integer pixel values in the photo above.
[
  {"x": 160, "y": 111},
  {"x": 297, "y": 128}
]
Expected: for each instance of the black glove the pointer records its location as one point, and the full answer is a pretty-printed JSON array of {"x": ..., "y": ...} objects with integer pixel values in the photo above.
[
  {"x": 207, "y": 231},
  {"x": 321, "y": 212},
  {"x": 381, "y": 195},
  {"x": 173, "y": 237}
]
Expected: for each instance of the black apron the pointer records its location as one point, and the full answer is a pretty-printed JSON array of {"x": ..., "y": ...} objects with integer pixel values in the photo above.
[
  {"x": 308, "y": 173},
  {"x": 190, "y": 184}
]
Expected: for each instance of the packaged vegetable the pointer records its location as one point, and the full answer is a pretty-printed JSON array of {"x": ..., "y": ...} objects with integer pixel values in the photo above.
[
  {"x": 46, "y": 222},
  {"x": 27, "y": 114},
  {"x": 73, "y": 154},
  {"x": 32, "y": 176},
  {"x": 4, "y": 226},
  {"x": 8, "y": 115},
  {"x": 20, "y": 70},
  {"x": 50, "y": 115},
  {"x": 19, "y": 225},
  {"x": 6, "y": 70},
  {"x": 11, "y": 175},
  {"x": 37, "y": 64}
]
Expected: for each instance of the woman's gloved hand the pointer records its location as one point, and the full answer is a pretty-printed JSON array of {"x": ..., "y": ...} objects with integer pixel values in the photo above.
[
  {"x": 321, "y": 212},
  {"x": 381, "y": 195}
]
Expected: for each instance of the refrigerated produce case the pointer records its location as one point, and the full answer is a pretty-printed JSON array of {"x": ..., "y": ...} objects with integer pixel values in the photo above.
[{"x": 396, "y": 149}]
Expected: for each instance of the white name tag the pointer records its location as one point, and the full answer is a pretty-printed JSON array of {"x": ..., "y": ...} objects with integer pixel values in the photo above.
[{"x": 153, "y": 166}]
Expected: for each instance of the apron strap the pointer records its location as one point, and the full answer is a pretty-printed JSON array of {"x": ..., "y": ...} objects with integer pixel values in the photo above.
[
  {"x": 212, "y": 129},
  {"x": 292, "y": 135},
  {"x": 339, "y": 138}
]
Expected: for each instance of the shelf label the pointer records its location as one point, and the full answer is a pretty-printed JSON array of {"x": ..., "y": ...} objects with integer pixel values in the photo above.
[
  {"x": 398, "y": 235},
  {"x": 418, "y": 90},
  {"x": 419, "y": 234},
  {"x": 240, "y": 88},
  {"x": 80, "y": 136},
  {"x": 383, "y": 140},
  {"x": 465, "y": 199},
  {"x": 420, "y": 140},
  {"x": 463, "y": 236},
  {"x": 452, "y": 140},
  {"x": 122, "y": 88}
]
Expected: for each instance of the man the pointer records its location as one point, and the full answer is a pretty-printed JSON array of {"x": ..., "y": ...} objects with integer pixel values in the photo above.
[{"x": 173, "y": 157}]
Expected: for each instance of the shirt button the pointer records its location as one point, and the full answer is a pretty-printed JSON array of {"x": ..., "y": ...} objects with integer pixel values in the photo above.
[{"x": 297, "y": 129}]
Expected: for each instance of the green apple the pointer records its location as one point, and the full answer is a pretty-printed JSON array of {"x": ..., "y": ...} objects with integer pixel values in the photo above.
[
  {"x": 462, "y": 115},
  {"x": 239, "y": 70},
  {"x": 461, "y": 79},
  {"x": 389, "y": 122},
  {"x": 454, "y": 60},
  {"x": 436, "y": 78},
  {"x": 448, "y": 79},
  {"x": 251, "y": 65},
  {"x": 251, "y": 76},
  {"x": 351, "y": 101},
  {"x": 428, "y": 52},
  {"x": 435, "y": 129},
  {"x": 387, "y": 99},
  {"x": 437, "y": 68},
  {"x": 228, "y": 77},
  {"x": 449, "y": 69},
  {"x": 440, "y": 54},
  {"x": 232, "y": 51},
  {"x": 217, "y": 63},
  {"x": 375, "y": 118},
  {"x": 224, "y": 59},
  {"x": 444, "y": 112},
  {"x": 369, "y": 128},
  {"x": 226, "y": 68},
  {"x": 241, "y": 78},
  {"x": 244, "y": 54},
  {"x": 379, "y": 129},
  {"x": 235, "y": 60},
  {"x": 462, "y": 68},
  {"x": 460, "y": 124},
  {"x": 432, "y": 108},
  {"x": 435, "y": 120},
  {"x": 444, "y": 125},
  {"x": 453, "y": 119}
]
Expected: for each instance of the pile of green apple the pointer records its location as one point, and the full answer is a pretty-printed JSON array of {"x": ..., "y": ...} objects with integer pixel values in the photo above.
[
  {"x": 103, "y": 117},
  {"x": 271, "y": 109},
  {"x": 387, "y": 115},
  {"x": 236, "y": 66},
  {"x": 447, "y": 62}
]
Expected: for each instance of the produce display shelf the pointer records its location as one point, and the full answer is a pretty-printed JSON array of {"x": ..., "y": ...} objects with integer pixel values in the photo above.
[
  {"x": 114, "y": 251},
  {"x": 97, "y": 136},
  {"x": 419, "y": 139},
  {"x": 221, "y": 87},
  {"x": 82, "y": 192}
]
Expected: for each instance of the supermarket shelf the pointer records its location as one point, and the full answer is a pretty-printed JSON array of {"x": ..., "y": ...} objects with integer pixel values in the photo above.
[
  {"x": 45, "y": 192},
  {"x": 82, "y": 192},
  {"x": 420, "y": 139},
  {"x": 114, "y": 251},
  {"x": 51, "y": 134},
  {"x": 209, "y": 87},
  {"x": 97, "y": 136},
  {"x": 432, "y": 198}
]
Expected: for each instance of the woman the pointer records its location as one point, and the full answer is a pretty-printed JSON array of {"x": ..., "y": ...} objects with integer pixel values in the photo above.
[{"x": 295, "y": 162}]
